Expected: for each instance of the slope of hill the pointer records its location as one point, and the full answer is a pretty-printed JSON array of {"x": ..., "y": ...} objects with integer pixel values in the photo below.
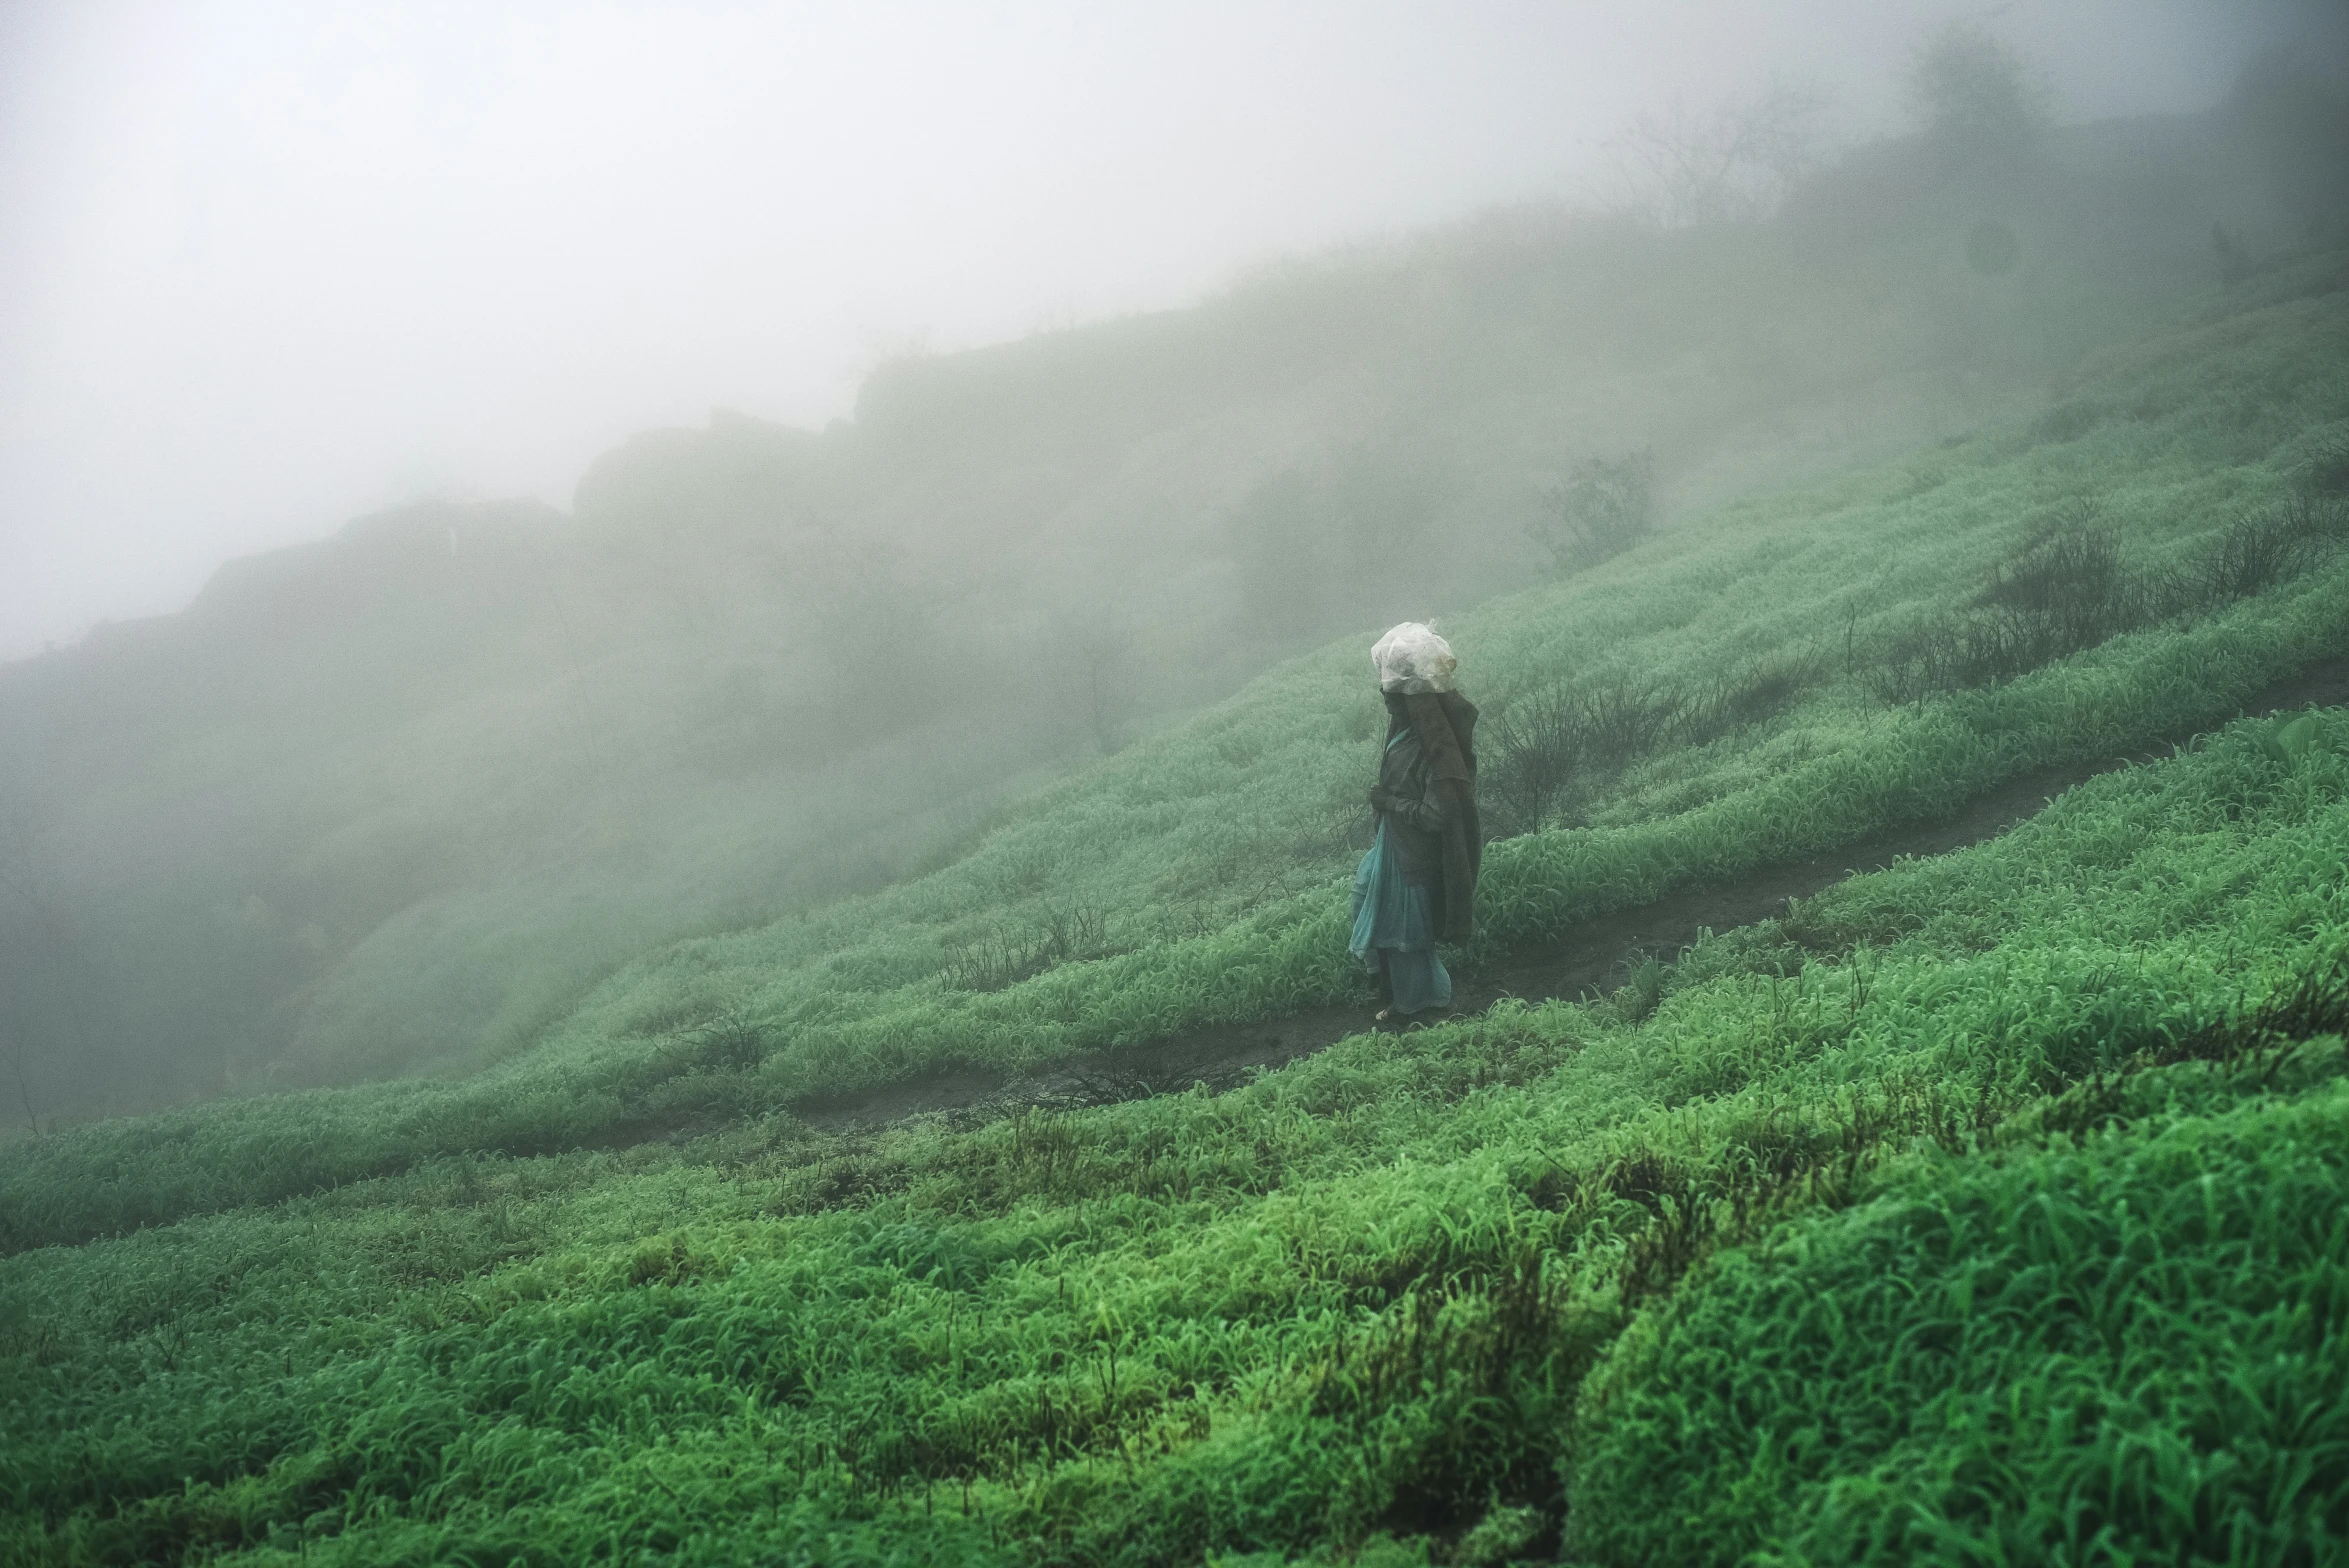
[
  {"x": 1984, "y": 1207},
  {"x": 392, "y": 802}
]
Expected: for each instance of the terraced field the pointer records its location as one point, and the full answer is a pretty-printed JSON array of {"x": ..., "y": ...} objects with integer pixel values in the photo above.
[{"x": 1981, "y": 1207}]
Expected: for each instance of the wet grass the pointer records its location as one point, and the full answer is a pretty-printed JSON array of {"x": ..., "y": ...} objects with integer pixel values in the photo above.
[
  {"x": 1384, "y": 1292},
  {"x": 1980, "y": 1209},
  {"x": 1208, "y": 863}
]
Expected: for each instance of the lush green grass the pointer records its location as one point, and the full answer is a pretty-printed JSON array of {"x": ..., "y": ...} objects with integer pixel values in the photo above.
[
  {"x": 2075, "y": 1355},
  {"x": 1236, "y": 812},
  {"x": 1964, "y": 1212},
  {"x": 1358, "y": 1296},
  {"x": 391, "y": 802},
  {"x": 1214, "y": 855}
]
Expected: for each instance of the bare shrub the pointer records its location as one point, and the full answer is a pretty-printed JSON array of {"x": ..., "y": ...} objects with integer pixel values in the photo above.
[
  {"x": 2326, "y": 471},
  {"x": 2324, "y": 519},
  {"x": 1605, "y": 506},
  {"x": 1076, "y": 929},
  {"x": 1533, "y": 753},
  {"x": 2258, "y": 551},
  {"x": 2254, "y": 554},
  {"x": 1752, "y": 695},
  {"x": 2065, "y": 587},
  {"x": 1921, "y": 660},
  {"x": 1545, "y": 745},
  {"x": 994, "y": 962},
  {"x": 1625, "y": 717},
  {"x": 1066, "y": 932}
]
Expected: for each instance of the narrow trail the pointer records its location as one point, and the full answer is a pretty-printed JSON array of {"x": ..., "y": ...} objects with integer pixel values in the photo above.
[{"x": 1581, "y": 960}]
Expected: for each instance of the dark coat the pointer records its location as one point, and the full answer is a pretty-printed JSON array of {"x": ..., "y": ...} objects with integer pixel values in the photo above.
[{"x": 1427, "y": 793}]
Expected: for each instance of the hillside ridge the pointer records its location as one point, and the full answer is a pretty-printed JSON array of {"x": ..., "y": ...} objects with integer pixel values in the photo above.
[{"x": 1579, "y": 963}]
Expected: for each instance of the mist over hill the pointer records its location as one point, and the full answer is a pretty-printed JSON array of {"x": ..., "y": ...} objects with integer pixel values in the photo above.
[{"x": 389, "y": 801}]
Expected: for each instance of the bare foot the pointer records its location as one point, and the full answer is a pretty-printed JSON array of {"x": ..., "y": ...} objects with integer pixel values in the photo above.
[{"x": 1382, "y": 1015}]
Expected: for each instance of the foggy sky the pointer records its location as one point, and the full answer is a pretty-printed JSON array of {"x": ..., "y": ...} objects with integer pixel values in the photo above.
[{"x": 264, "y": 267}]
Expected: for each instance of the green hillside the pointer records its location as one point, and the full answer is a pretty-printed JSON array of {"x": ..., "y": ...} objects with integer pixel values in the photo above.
[
  {"x": 395, "y": 801},
  {"x": 1985, "y": 1208}
]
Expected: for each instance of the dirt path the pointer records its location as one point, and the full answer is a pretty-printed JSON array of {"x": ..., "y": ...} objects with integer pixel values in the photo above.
[{"x": 1583, "y": 959}]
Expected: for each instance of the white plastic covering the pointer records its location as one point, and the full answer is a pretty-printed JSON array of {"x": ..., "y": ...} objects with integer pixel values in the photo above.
[{"x": 1412, "y": 658}]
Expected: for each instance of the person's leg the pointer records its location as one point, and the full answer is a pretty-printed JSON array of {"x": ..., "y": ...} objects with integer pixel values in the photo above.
[{"x": 1419, "y": 980}]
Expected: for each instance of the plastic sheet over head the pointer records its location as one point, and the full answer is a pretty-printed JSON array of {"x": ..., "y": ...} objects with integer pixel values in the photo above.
[{"x": 1412, "y": 658}]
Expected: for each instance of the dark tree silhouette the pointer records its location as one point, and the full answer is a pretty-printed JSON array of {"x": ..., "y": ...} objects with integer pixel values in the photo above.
[{"x": 1971, "y": 92}]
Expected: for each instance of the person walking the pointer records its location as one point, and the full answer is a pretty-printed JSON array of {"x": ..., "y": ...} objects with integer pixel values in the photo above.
[{"x": 1417, "y": 885}]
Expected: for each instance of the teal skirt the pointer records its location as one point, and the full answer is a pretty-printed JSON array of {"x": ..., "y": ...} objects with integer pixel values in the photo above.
[{"x": 1393, "y": 935}]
